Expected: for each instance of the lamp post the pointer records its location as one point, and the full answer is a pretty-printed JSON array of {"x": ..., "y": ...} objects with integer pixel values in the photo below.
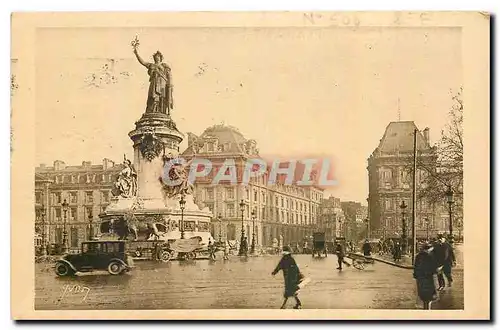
[
  {"x": 243, "y": 248},
  {"x": 460, "y": 224},
  {"x": 219, "y": 218},
  {"x": 254, "y": 216},
  {"x": 42, "y": 215},
  {"x": 427, "y": 222},
  {"x": 449, "y": 197},
  {"x": 65, "y": 232},
  {"x": 182, "y": 204},
  {"x": 340, "y": 228},
  {"x": 403, "y": 207},
  {"x": 91, "y": 227},
  {"x": 367, "y": 221}
]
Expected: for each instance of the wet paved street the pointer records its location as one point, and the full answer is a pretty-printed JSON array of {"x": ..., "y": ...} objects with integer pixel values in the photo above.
[{"x": 237, "y": 283}]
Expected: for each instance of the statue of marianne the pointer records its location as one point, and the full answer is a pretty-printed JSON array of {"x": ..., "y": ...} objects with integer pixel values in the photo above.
[{"x": 160, "y": 94}]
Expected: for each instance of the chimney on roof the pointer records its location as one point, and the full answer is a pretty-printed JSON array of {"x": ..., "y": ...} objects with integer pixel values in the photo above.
[
  {"x": 426, "y": 136},
  {"x": 43, "y": 165},
  {"x": 59, "y": 165},
  {"x": 86, "y": 163}
]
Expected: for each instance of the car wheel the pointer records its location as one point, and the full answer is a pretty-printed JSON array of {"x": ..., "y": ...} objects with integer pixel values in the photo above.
[
  {"x": 164, "y": 256},
  {"x": 115, "y": 268},
  {"x": 62, "y": 269}
]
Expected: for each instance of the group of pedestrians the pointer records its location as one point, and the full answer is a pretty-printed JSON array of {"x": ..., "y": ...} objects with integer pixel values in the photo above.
[{"x": 434, "y": 258}]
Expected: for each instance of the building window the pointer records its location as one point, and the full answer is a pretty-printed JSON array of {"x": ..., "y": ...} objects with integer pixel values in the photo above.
[
  {"x": 210, "y": 193},
  {"x": 263, "y": 197},
  {"x": 276, "y": 201},
  {"x": 73, "y": 197},
  {"x": 230, "y": 193},
  {"x": 73, "y": 214},
  {"x": 89, "y": 196},
  {"x": 282, "y": 202},
  {"x": 230, "y": 210},
  {"x": 105, "y": 196},
  {"x": 58, "y": 214},
  {"x": 255, "y": 195},
  {"x": 74, "y": 237},
  {"x": 210, "y": 206},
  {"x": 38, "y": 197},
  {"x": 57, "y": 198},
  {"x": 88, "y": 211},
  {"x": 387, "y": 204}
]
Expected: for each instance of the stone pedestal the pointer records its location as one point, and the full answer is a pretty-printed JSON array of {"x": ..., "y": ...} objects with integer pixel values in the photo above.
[{"x": 155, "y": 136}]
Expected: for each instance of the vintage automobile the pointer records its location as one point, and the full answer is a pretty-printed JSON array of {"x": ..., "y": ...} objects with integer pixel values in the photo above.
[{"x": 96, "y": 255}]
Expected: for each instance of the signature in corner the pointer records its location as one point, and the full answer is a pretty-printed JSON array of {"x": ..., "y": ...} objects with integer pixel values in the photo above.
[{"x": 74, "y": 290}]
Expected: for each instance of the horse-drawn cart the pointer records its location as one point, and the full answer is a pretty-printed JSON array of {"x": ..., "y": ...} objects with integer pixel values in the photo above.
[{"x": 319, "y": 244}]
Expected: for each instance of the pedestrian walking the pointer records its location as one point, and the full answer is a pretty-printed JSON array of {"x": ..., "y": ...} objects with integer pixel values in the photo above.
[
  {"x": 291, "y": 275},
  {"x": 211, "y": 249},
  {"x": 244, "y": 245},
  {"x": 445, "y": 257},
  {"x": 396, "y": 252},
  {"x": 339, "y": 251},
  {"x": 367, "y": 249},
  {"x": 226, "y": 250},
  {"x": 423, "y": 273}
]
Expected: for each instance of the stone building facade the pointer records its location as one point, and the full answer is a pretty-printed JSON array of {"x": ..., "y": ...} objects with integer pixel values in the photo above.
[
  {"x": 332, "y": 218},
  {"x": 355, "y": 219},
  {"x": 87, "y": 190},
  {"x": 279, "y": 209},
  {"x": 390, "y": 183}
]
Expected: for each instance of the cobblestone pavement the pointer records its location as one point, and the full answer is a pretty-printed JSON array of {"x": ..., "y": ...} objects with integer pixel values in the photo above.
[{"x": 236, "y": 283}]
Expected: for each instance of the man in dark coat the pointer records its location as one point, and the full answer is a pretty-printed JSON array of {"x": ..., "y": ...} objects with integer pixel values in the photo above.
[
  {"x": 445, "y": 258},
  {"x": 367, "y": 249},
  {"x": 396, "y": 252},
  {"x": 423, "y": 273},
  {"x": 339, "y": 251},
  {"x": 291, "y": 275}
]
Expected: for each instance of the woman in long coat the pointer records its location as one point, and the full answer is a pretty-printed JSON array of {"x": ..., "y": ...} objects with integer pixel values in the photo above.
[
  {"x": 423, "y": 273},
  {"x": 291, "y": 275}
]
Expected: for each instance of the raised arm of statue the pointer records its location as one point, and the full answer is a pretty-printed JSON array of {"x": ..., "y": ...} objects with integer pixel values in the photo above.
[{"x": 139, "y": 58}]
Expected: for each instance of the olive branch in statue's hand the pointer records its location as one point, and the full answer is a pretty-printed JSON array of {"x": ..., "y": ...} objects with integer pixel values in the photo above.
[{"x": 135, "y": 43}]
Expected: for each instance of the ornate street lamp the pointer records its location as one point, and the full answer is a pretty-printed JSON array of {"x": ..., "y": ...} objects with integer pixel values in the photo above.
[
  {"x": 367, "y": 221},
  {"x": 449, "y": 197},
  {"x": 243, "y": 249},
  {"x": 219, "y": 217},
  {"x": 65, "y": 206},
  {"x": 91, "y": 227},
  {"x": 252, "y": 251},
  {"x": 182, "y": 203},
  {"x": 42, "y": 215},
  {"x": 427, "y": 222},
  {"x": 460, "y": 227},
  {"x": 403, "y": 207}
]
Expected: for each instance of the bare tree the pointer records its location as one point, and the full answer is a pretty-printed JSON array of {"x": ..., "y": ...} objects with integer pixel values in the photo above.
[{"x": 446, "y": 170}]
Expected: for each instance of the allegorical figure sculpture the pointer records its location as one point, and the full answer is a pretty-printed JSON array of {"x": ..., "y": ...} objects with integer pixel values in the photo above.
[
  {"x": 126, "y": 183},
  {"x": 178, "y": 177},
  {"x": 160, "y": 98}
]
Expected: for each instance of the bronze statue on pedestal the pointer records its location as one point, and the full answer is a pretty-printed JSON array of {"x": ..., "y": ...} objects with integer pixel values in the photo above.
[{"x": 160, "y": 94}]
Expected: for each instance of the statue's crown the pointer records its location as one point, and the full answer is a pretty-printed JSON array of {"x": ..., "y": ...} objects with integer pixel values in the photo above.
[{"x": 158, "y": 53}]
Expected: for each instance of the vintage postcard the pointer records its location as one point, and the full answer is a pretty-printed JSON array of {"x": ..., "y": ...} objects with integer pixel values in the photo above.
[{"x": 319, "y": 165}]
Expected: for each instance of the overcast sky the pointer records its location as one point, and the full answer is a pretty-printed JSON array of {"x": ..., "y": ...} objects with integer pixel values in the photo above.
[{"x": 296, "y": 91}]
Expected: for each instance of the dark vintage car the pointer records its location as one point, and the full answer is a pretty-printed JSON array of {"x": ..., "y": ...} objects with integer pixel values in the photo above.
[{"x": 96, "y": 255}]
